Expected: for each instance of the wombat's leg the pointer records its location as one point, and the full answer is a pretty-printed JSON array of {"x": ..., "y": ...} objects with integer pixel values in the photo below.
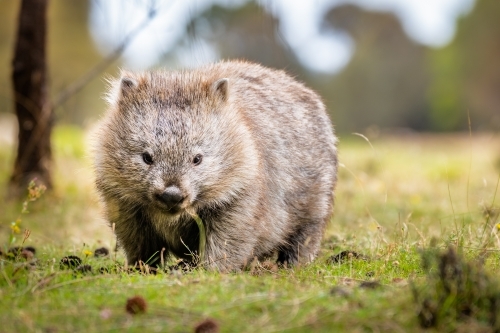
[
  {"x": 302, "y": 246},
  {"x": 230, "y": 253},
  {"x": 139, "y": 240}
]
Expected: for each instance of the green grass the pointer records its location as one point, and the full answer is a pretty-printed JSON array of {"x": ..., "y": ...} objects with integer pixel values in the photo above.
[{"x": 393, "y": 200}]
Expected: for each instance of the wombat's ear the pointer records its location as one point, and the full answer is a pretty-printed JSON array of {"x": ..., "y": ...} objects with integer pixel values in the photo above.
[
  {"x": 127, "y": 84},
  {"x": 221, "y": 88},
  {"x": 119, "y": 88}
]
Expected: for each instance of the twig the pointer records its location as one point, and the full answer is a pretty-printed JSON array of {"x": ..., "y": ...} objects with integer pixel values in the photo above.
[
  {"x": 9, "y": 282},
  {"x": 68, "y": 283},
  {"x": 43, "y": 282},
  {"x": 365, "y": 138}
]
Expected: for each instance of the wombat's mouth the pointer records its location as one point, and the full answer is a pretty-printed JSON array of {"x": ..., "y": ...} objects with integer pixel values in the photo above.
[
  {"x": 171, "y": 201},
  {"x": 174, "y": 210},
  {"x": 170, "y": 210}
]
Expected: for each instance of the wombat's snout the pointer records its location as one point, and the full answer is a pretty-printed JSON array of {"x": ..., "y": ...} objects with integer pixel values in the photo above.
[{"x": 171, "y": 197}]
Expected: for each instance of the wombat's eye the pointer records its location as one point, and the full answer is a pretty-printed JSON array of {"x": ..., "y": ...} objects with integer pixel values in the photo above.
[
  {"x": 197, "y": 159},
  {"x": 147, "y": 158}
]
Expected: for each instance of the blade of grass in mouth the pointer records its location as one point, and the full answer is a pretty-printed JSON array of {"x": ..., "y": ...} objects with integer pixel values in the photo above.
[{"x": 203, "y": 236}]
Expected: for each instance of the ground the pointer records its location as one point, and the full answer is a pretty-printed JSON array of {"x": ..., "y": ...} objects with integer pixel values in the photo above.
[{"x": 396, "y": 196}]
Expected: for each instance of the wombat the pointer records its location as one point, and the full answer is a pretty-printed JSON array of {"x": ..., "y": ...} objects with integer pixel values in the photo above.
[{"x": 249, "y": 149}]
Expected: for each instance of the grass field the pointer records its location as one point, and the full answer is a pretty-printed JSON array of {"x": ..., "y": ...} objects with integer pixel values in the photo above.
[{"x": 396, "y": 196}]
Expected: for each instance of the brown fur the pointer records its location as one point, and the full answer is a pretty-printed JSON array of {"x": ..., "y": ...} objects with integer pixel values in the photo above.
[{"x": 266, "y": 180}]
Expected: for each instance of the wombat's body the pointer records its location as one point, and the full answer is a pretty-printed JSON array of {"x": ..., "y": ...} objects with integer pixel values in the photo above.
[{"x": 249, "y": 149}]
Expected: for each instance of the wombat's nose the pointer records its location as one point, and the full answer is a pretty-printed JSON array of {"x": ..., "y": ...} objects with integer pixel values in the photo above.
[{"x": 171, "y": 197}]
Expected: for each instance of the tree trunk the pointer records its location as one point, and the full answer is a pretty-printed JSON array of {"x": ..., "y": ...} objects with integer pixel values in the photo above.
[{"x": 34, "y": 114}]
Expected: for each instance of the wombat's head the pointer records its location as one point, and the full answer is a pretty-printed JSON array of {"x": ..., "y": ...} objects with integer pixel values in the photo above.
[{"x": 173, "y": 141}]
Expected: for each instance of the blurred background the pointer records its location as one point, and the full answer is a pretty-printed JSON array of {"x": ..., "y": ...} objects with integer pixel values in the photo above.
[{"x": 380, "y": 65}]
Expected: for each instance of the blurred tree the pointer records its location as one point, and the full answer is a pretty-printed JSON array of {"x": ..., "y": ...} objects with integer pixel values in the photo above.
[
  {"x": 34, "y": 114},
  {"x": 384, "y": 84},
  {"x": 245, "y": 32},
  {"x": 466, "y": 73},
  {"x": 447, "y": 104},
  {"x": 386, "y": 80}
]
